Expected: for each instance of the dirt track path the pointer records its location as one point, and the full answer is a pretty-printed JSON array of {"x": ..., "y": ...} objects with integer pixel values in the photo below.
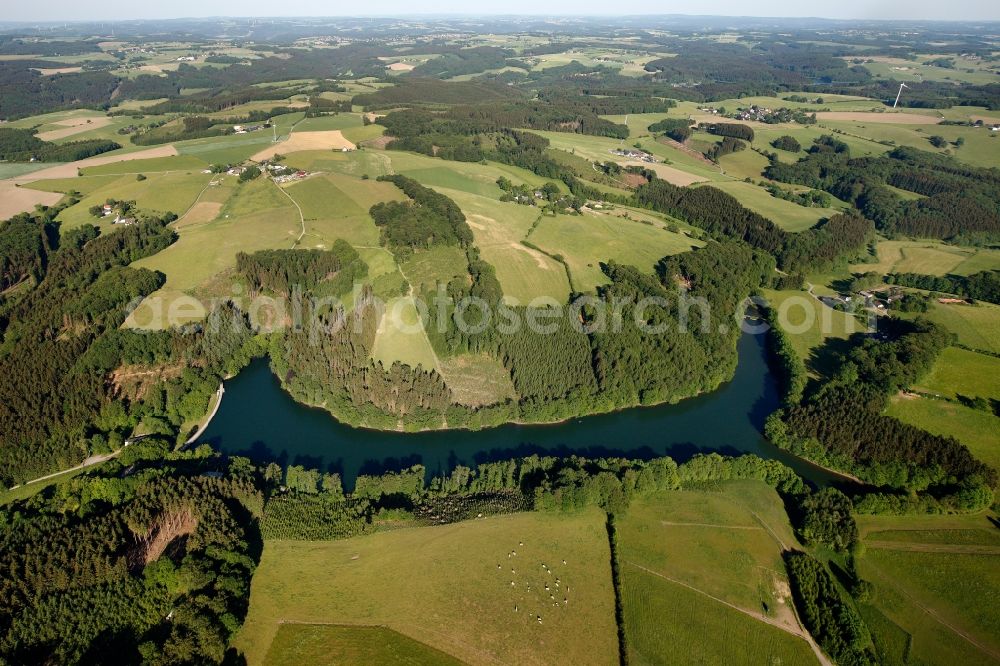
[
  {"x": 957, "y": 549},
  {"x": 800, "y": 632},
  {"x": 934, "y": 615}
]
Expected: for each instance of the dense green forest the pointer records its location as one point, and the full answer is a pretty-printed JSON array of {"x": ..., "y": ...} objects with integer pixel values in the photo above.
[
  {"x": 959, "y": 203},
  {"x": 21, "y": 145},
  {"x": 841, "y": 424},
  {"x": 982, "y": 286}
]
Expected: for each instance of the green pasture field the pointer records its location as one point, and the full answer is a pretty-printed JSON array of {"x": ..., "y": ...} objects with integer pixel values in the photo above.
[
  {"x": 15, "y": 169},
  {"x": 711, "y": 540},
  {"x": 401, "y": 337},
  {"x": 598, "y": 149},
  {"x": 963, "y": 528},
  {"x": 977, "y": 429},
  {"x": 363, "y": 133},
  {"x": 161, "y": 192},
  {"x": 477, "y": 379},
  {"x": 586, "y": 240},
  {"x": 943, "y": 600},
  {"x": 809, "y": 324},
  {"x": 340, "y": 121},
  {"x": 962, "y": 372},
  {"x": 981, "y": 148},
  {"x": 449, "y": 588},
  {"x": 899, "y": 69},
  {"x": 697, "y": 563},
  {"x": 929, "y": 257},
  {"x": 977, "y": 326},
  {"x": 323, "y": 644},
  {"x": 670, "y": 624},
  {"x": 626, "y": 64},
  {"x": 147, "y": 166},
  {"x": 257, "y": 216},
  {"x": 372, "y": 163},
  {"x": 807, "y": 134},
  {"x": 336, "y": 206},
  {"x": 319, "y": 197},
  {"x": 82, "y": 184},
  {"x": 469, "y": 177},
  {"x": 226, "y": 149},
  {"x": 787, "y": 215},
  {"x": 744, "y": 164},
  {"x": 498, "y": 229}
]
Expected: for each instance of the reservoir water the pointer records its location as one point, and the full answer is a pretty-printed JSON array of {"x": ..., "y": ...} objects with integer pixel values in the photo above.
[{"x": 259, "y": 420}]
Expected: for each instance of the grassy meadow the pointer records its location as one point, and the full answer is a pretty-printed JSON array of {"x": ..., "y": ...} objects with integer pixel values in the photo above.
[
  {"x": 707, "y": 563},
  {"x": 929, "y": 257},
  {"x": 935, "y": 584},
  {"x": 978, "y": 430},
  {"x": 449, "y": 587},
  {"x": 326, "y": 644},
  {"x": 586, "y": 240}
]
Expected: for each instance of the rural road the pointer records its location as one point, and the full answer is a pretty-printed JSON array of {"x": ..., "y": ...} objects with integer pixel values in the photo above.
[{"x": 89, "y": 462}]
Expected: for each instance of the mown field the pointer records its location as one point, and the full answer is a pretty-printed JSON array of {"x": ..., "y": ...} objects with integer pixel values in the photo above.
[
  {"x": 936, "y": 582},
  {"x": 320, "y": 644},
  {"x": 449, "y": 587},
  {"x": 401, "y": 337},
  {"x": 702, "y": 569},
  {"x": 929, "y": 257},
  {"x": 959, "y": 372},
  {"x": 787, "y": 215},
  {"x": 498, "y": 228}
]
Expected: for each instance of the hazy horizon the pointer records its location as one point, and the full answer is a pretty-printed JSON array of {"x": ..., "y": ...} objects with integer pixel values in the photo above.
[{"x": 119, "y": 10}]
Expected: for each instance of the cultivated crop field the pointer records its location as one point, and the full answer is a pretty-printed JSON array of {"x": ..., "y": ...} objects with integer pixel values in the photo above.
[{"x": 449, "y": 587}]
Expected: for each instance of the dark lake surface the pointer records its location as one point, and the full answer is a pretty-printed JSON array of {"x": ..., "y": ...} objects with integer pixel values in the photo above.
[{"x": 259, "y": 420}]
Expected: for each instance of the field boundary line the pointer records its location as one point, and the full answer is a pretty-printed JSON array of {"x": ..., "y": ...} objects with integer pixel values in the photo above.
[
  {"x": 800, "y": 632},
  {"x": 943, "y": 548},
  {"x": 934, "y": 615},
  {"x": 401, "y": 628},
  {"x": 671, "y": 523}
]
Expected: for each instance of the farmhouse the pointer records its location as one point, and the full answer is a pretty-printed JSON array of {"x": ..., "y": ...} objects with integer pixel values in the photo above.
[{"x": 634, "y": 154}]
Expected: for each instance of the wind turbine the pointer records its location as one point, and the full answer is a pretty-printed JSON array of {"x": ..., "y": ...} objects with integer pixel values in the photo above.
[{"x": 901, "y": 86}]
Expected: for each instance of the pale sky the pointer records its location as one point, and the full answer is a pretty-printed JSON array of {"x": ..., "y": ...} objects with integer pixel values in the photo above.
[{"x": 67, "y": 10}]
